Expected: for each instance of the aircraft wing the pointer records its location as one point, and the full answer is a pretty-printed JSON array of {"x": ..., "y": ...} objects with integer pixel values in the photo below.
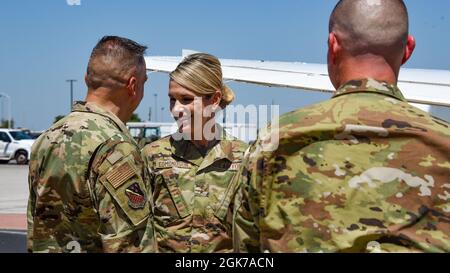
[{"x": 423, "y": 86}]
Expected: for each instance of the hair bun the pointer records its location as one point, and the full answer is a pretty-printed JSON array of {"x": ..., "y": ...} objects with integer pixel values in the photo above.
[{"x": 227, "y": 96}]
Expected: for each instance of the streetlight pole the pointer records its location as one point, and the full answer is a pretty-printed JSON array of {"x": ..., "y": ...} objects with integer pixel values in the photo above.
[
  {"x": 9, "y": 108},
  {"x": 71, "y": 93},
  {"x": 156, "y": 107}
]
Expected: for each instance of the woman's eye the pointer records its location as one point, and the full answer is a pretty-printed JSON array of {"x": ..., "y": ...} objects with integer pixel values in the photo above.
[{"x": 186, "y": 100}]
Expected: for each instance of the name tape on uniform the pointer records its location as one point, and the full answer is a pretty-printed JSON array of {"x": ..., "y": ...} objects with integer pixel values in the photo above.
[{"x": 171, "y": 163}]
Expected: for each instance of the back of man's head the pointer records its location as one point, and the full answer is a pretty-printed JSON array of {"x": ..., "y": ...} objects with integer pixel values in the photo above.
[
  {"x": 113, "y": 61},
  {"x": 378, "y": 27}
]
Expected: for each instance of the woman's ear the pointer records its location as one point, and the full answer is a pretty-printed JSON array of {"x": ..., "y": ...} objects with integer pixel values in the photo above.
[{"x": 216, "y": 98}]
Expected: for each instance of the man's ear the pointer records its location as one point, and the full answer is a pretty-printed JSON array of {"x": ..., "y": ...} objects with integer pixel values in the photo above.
[
  {"x": 86, "y": 79},
  {"x": 333, "y": 47},
  {"x": 409, "y": 49},
  {"x": 131, "y": 86}
]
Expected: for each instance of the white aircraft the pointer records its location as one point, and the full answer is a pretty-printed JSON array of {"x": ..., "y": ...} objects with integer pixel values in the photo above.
[{"x": 422, "y": 87}]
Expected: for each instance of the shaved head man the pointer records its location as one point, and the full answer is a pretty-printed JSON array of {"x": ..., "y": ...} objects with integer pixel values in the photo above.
[
  {"x": 368, "y": 38},
  {"x": 362, "y": 172}
]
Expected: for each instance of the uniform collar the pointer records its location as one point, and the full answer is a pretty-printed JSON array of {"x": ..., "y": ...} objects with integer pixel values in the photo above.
[
  {"x": 89, "y": 107},
  {"x": 186, "y": 150},
  {"x": 370, "y": 85}
]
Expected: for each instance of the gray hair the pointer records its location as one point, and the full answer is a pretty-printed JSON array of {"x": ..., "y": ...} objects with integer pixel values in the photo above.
[{"x": 113, "y": 59}]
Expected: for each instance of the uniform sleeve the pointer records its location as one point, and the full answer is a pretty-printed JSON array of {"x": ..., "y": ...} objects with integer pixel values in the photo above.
[
  {"x": 147, "y": 156},
  {"x": 120, "y": 185},
  {"x": 246, "y": 227},
  {"x": 30, "y": 215},
  {"x": 31, "y": 205}
]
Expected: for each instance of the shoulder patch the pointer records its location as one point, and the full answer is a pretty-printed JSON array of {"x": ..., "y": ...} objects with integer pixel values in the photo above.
[
  {"x": 120, "y": 175},
  {"x": 114, "y": 157},
  {"x": 136, "y": 197}
]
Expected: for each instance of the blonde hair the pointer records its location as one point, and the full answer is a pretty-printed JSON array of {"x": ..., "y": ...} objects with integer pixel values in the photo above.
[{"x": 201, "y": 73}]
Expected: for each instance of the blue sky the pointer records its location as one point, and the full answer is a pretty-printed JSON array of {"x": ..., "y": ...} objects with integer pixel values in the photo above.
[{"x": 45, "y": 42}]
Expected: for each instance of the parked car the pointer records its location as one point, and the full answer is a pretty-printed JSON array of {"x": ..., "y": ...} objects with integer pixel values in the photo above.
[
  {"x": 32, "y": 134},
  {"x": 15, "y": 144}
]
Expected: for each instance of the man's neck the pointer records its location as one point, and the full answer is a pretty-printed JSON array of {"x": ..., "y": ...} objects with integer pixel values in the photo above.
[
  {"x": 204, "y": 145},
  {"x": 367, "y": 67},
  {"x": 107, "y": 104}
]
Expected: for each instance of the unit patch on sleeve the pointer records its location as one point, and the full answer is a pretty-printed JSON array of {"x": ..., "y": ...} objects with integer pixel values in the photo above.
[{"x": 136, "y": 197}]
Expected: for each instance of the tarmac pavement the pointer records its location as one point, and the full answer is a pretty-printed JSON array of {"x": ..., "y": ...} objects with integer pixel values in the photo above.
[{"x": 13, "y": 207}]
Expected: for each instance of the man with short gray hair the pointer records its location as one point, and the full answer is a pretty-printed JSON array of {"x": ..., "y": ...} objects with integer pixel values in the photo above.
[{"x": 362, "y": 172}]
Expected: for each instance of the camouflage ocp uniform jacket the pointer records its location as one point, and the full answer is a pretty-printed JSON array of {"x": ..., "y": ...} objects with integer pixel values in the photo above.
[
  {"x": 89, "y": 187},
  {"x": 193, "y": 194},
  {"x": 362, "y": 172}
]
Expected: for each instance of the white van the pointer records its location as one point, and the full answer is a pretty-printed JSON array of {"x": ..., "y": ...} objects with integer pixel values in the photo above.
[{"x": 15, "y": 144}]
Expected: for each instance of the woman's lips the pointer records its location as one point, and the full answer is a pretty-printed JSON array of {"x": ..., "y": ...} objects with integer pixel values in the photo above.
[{"x": 184, "y": 122}]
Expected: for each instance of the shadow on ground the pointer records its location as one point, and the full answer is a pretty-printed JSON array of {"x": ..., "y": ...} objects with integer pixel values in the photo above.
[{"x": 13, "y": 241}]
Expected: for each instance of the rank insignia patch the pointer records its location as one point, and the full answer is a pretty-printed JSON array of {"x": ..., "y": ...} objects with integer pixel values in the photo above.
[{"x": 136, "y": 197}]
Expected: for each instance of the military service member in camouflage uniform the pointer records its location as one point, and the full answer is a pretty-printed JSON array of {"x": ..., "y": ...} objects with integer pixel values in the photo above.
[
  {"x": 362, "y": 172},
  {"x": 89, "y": 188},
  {"x": 191, "y": 176}
]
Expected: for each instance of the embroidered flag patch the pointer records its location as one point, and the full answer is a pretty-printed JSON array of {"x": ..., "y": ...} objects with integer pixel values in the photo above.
[{"x": 120, "y": 175}]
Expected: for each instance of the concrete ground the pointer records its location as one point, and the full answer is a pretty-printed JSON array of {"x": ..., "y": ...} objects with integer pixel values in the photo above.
[
  {"x": 14, "y": 188},
  {"x": 13, "y": 207}
]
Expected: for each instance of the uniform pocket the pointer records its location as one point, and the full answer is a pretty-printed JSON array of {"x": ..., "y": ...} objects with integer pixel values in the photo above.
[
  {"x": 225, "y": 198},
  {"x": 178, "y": 200}
]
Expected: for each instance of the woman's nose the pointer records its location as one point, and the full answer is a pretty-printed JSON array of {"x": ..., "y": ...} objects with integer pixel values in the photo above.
[{"x": 177, "y": 110}]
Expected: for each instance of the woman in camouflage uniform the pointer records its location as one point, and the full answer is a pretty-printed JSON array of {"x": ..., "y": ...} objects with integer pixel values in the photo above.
[{"x": 193, "y": 168}]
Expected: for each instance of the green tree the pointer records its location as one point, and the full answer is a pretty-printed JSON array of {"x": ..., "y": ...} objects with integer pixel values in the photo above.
[
  {"x": 135, "y": 118},
  {"x": 4, "y": 123},
  {"x": 57, "y": 118}
]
